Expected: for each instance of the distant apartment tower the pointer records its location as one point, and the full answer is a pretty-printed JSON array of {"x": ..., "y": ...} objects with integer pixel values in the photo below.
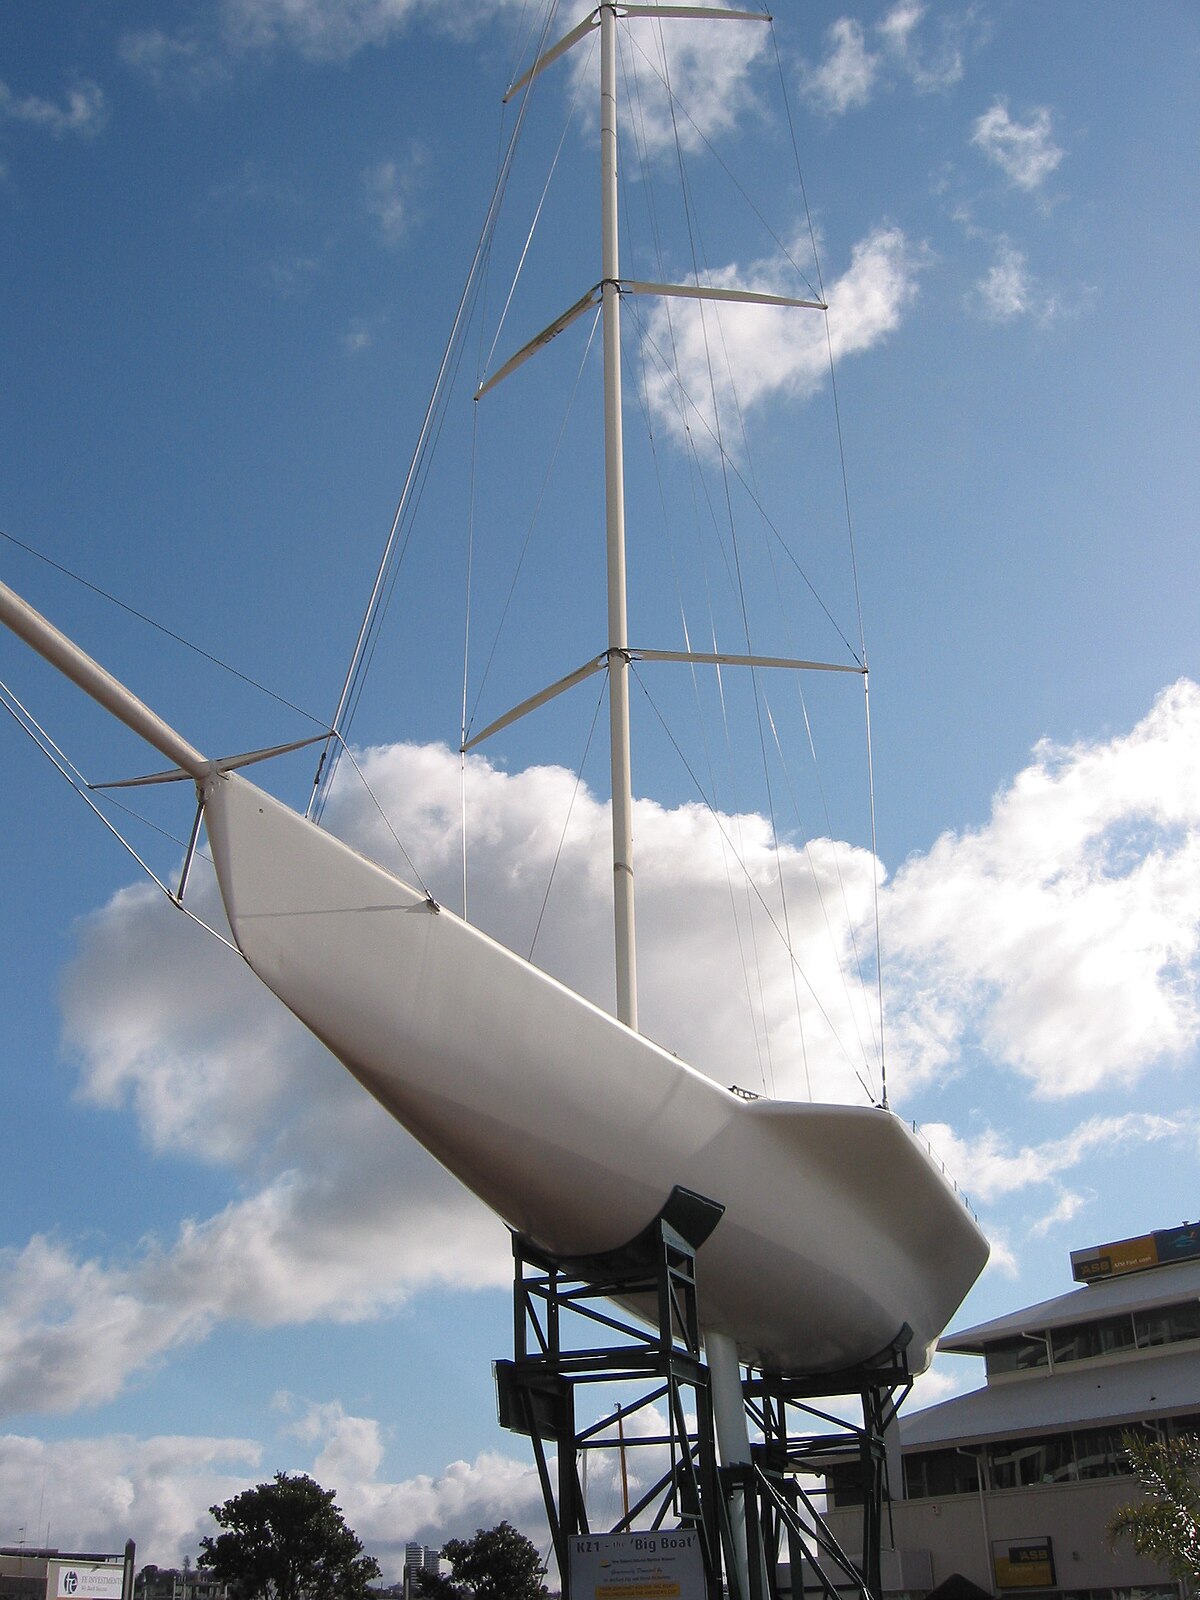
[{"x": 418, "y": 1558}]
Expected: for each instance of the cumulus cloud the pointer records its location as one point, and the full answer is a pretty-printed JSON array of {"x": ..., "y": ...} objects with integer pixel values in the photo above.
[
  {"x": 706, "y": 64},
  {"x": 83, "y": 110},
  {"x": 930, "y": 64},
  {"x": 1024, "y": 151},
  {"x": 846, "y": 77},
  {"x": 853, "y": 70},
  {"x": 193, "y": 55},
  {"x": 990, "y": 1166},
  {"x": 1009, "y": 290},
  {"x": 429, "y": 1508},
  {"x": 185, "y": 61},
  {"x": 690, "y": 79},
  {"x": 1065, "y": 1209},
  {"x": 753, "y": 354},
  {"x": 100, "y": 1488},
  {"x": 1004, "y": 293},
  {"x": 388, "y": 188},
  {"x": 1062, "y": 937}
]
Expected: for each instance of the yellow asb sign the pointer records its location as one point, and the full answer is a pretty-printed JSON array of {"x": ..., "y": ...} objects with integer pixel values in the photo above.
[
  {"x": 1156, "y": 1249},
  {"x": 1023, "y": 1564}
]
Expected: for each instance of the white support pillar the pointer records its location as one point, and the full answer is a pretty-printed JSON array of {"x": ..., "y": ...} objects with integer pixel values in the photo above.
[{"x": 733, "y": 1435}]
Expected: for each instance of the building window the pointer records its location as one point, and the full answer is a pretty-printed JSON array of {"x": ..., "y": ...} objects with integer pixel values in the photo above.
[
  {"x": 934, "y": 1474},
  {"x": 1143, "y": 1330},
  {"x": 1100, "y": 1338},
  {"x": 1171, "y": 1325},
  {"x": 1015, "y": 1355}
]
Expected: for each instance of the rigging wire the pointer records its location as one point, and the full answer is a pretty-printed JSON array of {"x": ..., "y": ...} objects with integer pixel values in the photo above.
[
  {"x": 160, "y": 627},
  {"x": 763, "y": 1039},
  {"x": 845, "y": 481},
  {"x": 758, "y": 895},
  {"x": 784, "y": 248},
  {"x": 512, "y": 588},
  {"x": 760, "y": 1034},
  {"x": 395, "y": 547},
  {"x": 735, "y": 544},
  {"x": 67, "y": 769},
  {"x": 562, "y": 839},
  {"x": 672, "y": 368}
]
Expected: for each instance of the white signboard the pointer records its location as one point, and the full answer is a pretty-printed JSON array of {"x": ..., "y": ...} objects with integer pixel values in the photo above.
[
  {"x": 85, "y": 1581},
  {"x": 637, "y": 1566}
]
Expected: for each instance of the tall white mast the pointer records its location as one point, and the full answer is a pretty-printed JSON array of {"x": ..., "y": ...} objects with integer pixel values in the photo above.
[
  {"x": 616, "y": 655},
  {"x": 614, "y": 504}
]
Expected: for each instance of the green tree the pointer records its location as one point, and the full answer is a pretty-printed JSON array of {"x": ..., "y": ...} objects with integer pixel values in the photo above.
[
  {"x": 286, "y": 1540},
  {"x": 1165, "y": 1527},
  {"x": 497, "y": 1564}
]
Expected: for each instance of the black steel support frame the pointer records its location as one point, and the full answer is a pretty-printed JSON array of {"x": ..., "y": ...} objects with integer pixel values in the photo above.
[
  {"x": 567, "y": 1332},
  {"x": 795, "y": 1446},
  {"x": 563, "y": 1335}
]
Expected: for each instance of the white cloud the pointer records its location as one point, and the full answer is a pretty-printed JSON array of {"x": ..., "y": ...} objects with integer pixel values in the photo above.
[
  {"x": 846, "y": 77},
  {"x": 357, "y": 337},
  {"x": 427, "y": 1508},
  {"x": 1065, "y": 1209},
  {"x": 92, "y": 1492},
  {"x": 316, "y": 29},
  {"x": 759, "y": 353},
  {"x": 1025, "y": 151},
  {"x": 851, "y": 72},
  {"x": 1005, "y": 292},
  {"x": 171, "y": 61},
  {"x": 101, "y": 1488},
  {"x": 388, "y": 188},
  {"x": 1009, "y": 290},
  {"x": 1062, "y": 937},
  {"x": 991, "y": 1168},
  {"x": 944, "y": 1378},
  {"x": 930, "y": 68},
  {"x": 707, "y": 64},
  {"x": 83, "y": 110},
  {"x": 207, "y": 48}
]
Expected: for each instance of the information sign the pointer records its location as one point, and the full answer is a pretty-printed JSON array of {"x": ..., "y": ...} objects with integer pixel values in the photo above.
[
  {"x": 84, "y": 1580},
  {"x": 1023, "y": 1563},
  {"x": 666, "y": 1565}
]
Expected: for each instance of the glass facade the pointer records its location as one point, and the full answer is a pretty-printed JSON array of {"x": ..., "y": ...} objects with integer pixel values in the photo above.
[
  {"x": 1132, "y": 1330},
  {"x": 1068, "y": 1457}
]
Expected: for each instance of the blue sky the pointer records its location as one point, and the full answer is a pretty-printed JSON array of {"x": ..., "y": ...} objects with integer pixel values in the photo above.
[{"x": 233, "y": 238}]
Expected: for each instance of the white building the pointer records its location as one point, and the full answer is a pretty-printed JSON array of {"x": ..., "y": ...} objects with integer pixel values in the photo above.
[{"x": 1012, "y": 1485}]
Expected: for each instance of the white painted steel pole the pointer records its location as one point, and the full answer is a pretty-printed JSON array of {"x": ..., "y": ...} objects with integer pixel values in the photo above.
[
  {"x": 614, "y": 505},
  {"x": 733, "y": 1434},
  {"x": 92, "y": 678}
]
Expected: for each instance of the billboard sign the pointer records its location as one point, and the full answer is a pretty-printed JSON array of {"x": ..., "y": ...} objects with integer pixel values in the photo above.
[
  {"x": 1023, "y": 1563},
  {"x": 665, "y": 1565},
  {"x": 1135, "y": 1255},
  {"x": 88, "y": 1580}
]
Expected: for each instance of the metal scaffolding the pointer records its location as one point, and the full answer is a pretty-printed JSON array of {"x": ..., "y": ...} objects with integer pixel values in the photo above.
[{"x": 627, "y": 1320}]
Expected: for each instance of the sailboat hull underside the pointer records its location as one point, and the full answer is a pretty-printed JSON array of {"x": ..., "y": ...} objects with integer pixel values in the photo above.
[{"x": 838, "y": 1228}]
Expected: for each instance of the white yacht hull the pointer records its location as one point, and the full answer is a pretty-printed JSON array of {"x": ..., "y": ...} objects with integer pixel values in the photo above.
[{"x": 838, "y": 1229}]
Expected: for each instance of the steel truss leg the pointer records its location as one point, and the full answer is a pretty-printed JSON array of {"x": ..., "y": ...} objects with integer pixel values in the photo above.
[
  {"x": 567, "y": 1331},
  {"x": 573, "y": 1323}
]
